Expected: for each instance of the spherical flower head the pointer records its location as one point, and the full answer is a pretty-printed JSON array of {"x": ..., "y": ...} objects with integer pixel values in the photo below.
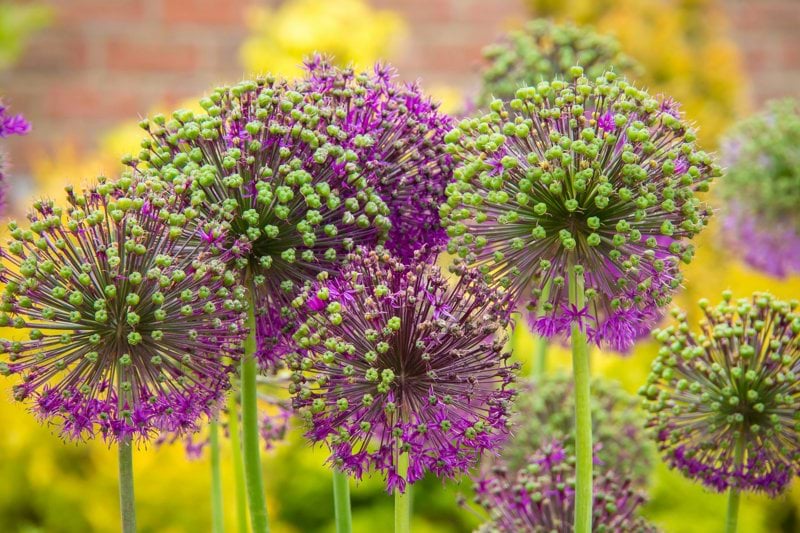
[
  {"x": 587, "y": 177},
  {"x": 761, "y": 189},
  {"x": 545, "y": 50},
  {"x": 398, "y": 134},
  {"x": 395, "y": 360},
  {"x": 271, "y": 163},
  {"x": 545, "y": 410},
  {"x": 724, "y": 402},
  {"x": 540, "y": 497},
  {"x": 127, "y": 331}
]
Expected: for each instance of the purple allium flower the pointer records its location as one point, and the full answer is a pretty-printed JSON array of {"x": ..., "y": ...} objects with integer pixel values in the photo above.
[
  {"x": 545, "y": 410},
  {"x": 398, "y": 134},
  {"x": 127, "y": 329},
  {"x": 540, "y": 497},
  {"x": 724, "y": 402},
  {"x": 540, "y": 186},
  {"x": 544, "y": 50},
  {"x": 12, "y": 124},
  {"x": 411, "y": 364},
  {"x": 272, "y": 163},
  {"x": 761, "y": 189}
]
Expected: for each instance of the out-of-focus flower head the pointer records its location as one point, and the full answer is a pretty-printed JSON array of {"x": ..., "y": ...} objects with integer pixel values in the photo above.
[
  {"x": 394, "y": 360},
  {"x": 711, "y": 96},
  {"x": 724, "y": 402},
  {"x": 545, "y": 410},
  {"x": 544, "y": 50},
  {"x": 592, "y": 174},
  {"x": 128, "y": 328},
  {"x": 282, "y": 38},
  {"x": 540, "y": 497},
  {"x": 398, "y": 134},
  {"x": 12, "y": 124},
  {"x": 761, "y": 188},
  {"x": 271, "y": 164},
  {"x": 9, "y": 125}
]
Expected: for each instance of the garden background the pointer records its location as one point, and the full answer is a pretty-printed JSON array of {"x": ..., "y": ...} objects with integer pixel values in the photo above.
[{"x": 81, "y": 70}]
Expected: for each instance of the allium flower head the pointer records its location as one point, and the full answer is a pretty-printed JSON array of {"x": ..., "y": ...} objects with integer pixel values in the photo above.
[
  {"x": 273, "y": 164},
  {"x": 725, "y": 402},
  {"x": 545, "y": 410},
  {"x": 540, "y": 497},
  {"x": 393, "y": 359},
  {"x": 762, "y": 189},
  {"x": 544, "y": 50},
  {"x": 398, "y": 134},
  {"x": 128, "y": 331},
  {"x": 594, "y": 174}
]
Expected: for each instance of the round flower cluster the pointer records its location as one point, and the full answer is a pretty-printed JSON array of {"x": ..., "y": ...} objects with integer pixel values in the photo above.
[
  {"x": 583, "y": 179},
  {"x": 395, "y": 361},
  {"x": 724, "y": 402},
  {"x": 129, "y": 330},
  {"x": 398, "y": 134},
  {"x": 271, "y": 165},
  {"x": 545, "y": 410},
  {"x": 761, "y": 189},
  {"x": 544, "y": 50},
  {"x": 540, "y": 497}
]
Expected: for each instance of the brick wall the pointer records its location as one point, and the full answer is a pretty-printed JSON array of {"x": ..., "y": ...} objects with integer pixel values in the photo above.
[{"x": 103, "y": 61}]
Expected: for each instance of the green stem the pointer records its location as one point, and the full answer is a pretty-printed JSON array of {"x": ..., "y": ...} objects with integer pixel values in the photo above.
[
  {"x": 539, "y": 367},
  {"x": 341, "y": 501},
  {"x": 238, "y": 464},
  {"x": 251, "y": 440},
  {"x": 126, "y": 498},
  {"x": 540, "y": 356},
  {"x": 583, "y": 414},
  {"x": 402, "y": 500},
  {"x": 732, "y": 517},
  {"x": 217, "y": 517}
]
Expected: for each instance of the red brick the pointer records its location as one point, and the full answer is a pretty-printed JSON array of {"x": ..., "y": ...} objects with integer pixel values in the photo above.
[
  {"x": 134, "y": 54},
  {"x": 207, "y": 12},
  {"x": 55, "y": 51},
  {"x": 85, "y": 100},
  {"x": 91, "y": 12}
]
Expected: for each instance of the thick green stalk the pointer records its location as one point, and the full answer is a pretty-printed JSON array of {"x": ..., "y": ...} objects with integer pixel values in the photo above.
[
  {"x": 238, "y": 463},
  {"x": 583, "y": 415},
  {"x": 539, "y": 366},
  {"x": 540, "y": 356},
  {"x": 251, "y": 440},
  {"x": 127, "y": 507},
  {"x": 402, "y": 500},
  {"x": 217, "y": 516},
  {"x": 732, "y": 516},
  {"x": 341, "y": 501}
]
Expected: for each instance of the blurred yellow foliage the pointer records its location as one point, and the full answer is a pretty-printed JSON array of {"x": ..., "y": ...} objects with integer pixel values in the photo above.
[
  {"x": 682, "y": 45},
  {"x": 350, "y": 30}
]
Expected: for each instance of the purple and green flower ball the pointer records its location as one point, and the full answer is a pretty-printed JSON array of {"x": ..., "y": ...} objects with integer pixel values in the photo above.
[
  {"x": 724, "y": 402},
  {"x": 587, "y": 176}
]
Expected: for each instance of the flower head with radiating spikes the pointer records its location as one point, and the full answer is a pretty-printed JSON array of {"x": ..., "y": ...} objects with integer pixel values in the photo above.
[
  {"x": 129, "y": 332},
  {"x": 398, "y": 134},
  {"x": 545, "y": 410},
  {"x": 395, "y": 360},
  {"x": 540, "y": 497},
  {"x": 725, "y": 402},
  {"x": 544, "y": 50},
  {"x": 272, "y": 163},
  {"x": 594, "y": 177},
  {"x": 761, "y": 189}
]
